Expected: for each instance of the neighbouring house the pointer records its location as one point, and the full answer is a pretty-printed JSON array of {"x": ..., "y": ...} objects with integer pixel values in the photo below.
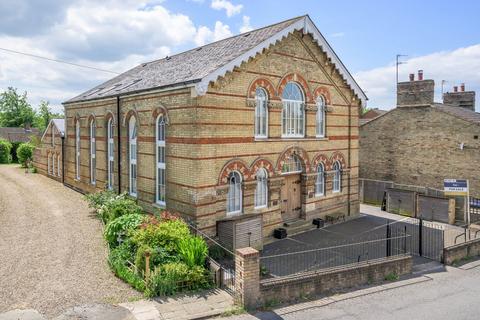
[
  {"x": 17, "y": 134},
  {"x": 421, "y": 142},
  {"x": 370, "y": 114},
  {"x": 48, "y": 155},
  {"x": 239, "y": 136}
]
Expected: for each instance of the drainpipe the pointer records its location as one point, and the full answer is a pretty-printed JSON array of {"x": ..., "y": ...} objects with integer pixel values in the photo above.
[
  {"x": 349, "y": 157},
  {"x": 119, "y": 148},
  {"x": 63, "y": 160}
]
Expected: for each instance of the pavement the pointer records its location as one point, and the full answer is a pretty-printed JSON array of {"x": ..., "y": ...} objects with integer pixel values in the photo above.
[{"x": 452, "y": 294}]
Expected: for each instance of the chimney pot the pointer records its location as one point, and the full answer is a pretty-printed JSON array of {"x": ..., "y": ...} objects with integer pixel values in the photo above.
[
  {"x": 462, "y": 87},
  {"x": 412, "y": 76},
  {"x": 420, "y": 75},
  {"x": 455, "y": 88}
]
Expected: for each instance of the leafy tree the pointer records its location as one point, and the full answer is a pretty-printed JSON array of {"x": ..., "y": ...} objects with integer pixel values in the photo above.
[
  {"x": 44, "y": 115},
  {"x": 25, "y": 153},
  {"x": 15, "y": 111},
  {"x": 5, "y": 148}
]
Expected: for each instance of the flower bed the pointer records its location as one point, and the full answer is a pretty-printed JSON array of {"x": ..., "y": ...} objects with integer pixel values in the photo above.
[{"x": 176, "y": 258}]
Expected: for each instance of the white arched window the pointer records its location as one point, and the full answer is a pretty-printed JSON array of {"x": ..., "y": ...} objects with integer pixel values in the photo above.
[
  {"x": 53, "y": 165},
  {"x": 58, "y": 165},
  {"x": 320, "y": 118},
  {"x": 77, "y": 149},
  {"x": 320, "y": 181},
  {"x": 48, "y": 163},
  {"x": 93, "y": 152},
  {"x": 261, "y": 113},
  {"x": 161, "y": 176},
  {"x": 110, "y": 152},
  {"x": 293, "y": 113},
  {"x": 337, "y": 176},
  {"x": 132, "y": 158},
  {"x": 261, "y": 191},
  {"x": 234, "y": 196},
  {"x": 292, "y": 164}
]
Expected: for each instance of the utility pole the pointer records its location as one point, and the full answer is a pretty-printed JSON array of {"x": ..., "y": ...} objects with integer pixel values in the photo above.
[{"x": 397, "y": 63}]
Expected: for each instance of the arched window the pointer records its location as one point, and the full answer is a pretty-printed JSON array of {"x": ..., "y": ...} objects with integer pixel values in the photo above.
[
  {"x": 292, "y": 164},
  {"x": 234, "y": 196},
  {"x": 58, "y": 165},
  {"x": 261, "y": 113},
  {"x": 320, "y": 181},
  {"x": 161, "y": 176},
  {"x": 337, "y": 176},
  {"x": 53, "y": 164},
  {"x": 293, "y": 113},
  {"x": 77, "y": 149},
  {"x": 261, "y": 191},
  {"x": 93, "y": 152},
  {"x": 48, "y": 163},
  {"x": 132, "y": 158},
  {"x": 111, "y": 155},
  {"x": 320, "y": 118}
]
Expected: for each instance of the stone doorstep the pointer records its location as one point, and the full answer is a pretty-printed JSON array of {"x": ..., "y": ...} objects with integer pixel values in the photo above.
[
  {"x": 349, "y": 295},
  {"x": 470, "y": 265}
]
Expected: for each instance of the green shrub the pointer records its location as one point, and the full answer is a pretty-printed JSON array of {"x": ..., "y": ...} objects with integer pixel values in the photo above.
[
  {"x": 193, "y": 251},
  {"x": 165, "y": 234},
  {"x": 175, "y": 277},
  {"x": 25, "y": 153},
  {"x": 118, "y": 260},
  {"x": 118, "y": 206},
  {"x": 5, "y": 148},
  {"x": 119, "y": 227},
  {"x": 97, "y": 199},
  {"x": 158, "y": 256}
]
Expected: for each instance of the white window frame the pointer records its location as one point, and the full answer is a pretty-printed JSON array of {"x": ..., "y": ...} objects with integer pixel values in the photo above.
[
  {"x": 110, "y": 154},
  {"x": 48, "y": 163},
  {"x": 58, "y": 165},
  {"x": 261, "y": 190},
  {"x": 77, "y": 150},
  {"x": 161, "y": 173},
  {"x": 337, "y": 177},
  {"x": 235, "y": 194},
  {"x": 294, "y": 160},
  {"x": 53, "y": 164},
  {"x": 320, "y": 117},
  {"x": 261, "y": 113},
  {"x": 93, "y": 152},
  {"x": 320, "y": 180},
  {"x": 293, "y": 114},
  {"x": 132, "y": 156}
]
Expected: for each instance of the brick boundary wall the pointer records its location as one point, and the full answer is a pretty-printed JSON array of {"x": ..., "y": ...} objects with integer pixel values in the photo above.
[
  {"x": 461, "y": 251},
  {"x": 251, "y": 292}
]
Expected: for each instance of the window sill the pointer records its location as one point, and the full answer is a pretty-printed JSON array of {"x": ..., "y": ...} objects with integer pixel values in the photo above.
[
  {"x": 280, "y": 139},
  {"x": 157, "y": 205},
  {"x": 260, "y": 209},
  {"x": 289, "y": 173},
  {"x": 234, "y": 214},
  {"x": 318, "y": 195}
]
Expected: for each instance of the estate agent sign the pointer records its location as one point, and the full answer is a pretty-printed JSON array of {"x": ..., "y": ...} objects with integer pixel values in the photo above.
[{"x": 455, "y": 187}]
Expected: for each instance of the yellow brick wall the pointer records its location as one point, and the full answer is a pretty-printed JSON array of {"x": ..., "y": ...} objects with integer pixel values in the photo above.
[
  {"x": 206, "y": 132},
  {"x": 46, "y": 149}
]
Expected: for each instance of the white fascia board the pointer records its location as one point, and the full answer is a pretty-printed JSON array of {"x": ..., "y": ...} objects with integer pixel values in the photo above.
[
  {"x": 46, "y": 129},
  {"x": 309, "y": 27}
]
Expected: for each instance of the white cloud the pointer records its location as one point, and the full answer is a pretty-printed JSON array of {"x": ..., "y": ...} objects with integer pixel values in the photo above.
[
  {"x": 457, "y": 66},
  {"x": 205, "y": 35},
  {"x": 230, "y": 8},
  {"x": 112, "y": 34},
  {"x": 246, "y": 24}
]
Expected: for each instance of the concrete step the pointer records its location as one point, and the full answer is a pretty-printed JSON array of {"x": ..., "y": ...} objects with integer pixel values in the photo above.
[{"x": 298, "y": 226}]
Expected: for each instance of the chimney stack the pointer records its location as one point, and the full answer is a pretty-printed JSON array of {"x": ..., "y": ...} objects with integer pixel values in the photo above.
[
  {"x": 420, "y": 75},
  {"x": 415, "y": 93},
  {"x": 462, "y": 98}
]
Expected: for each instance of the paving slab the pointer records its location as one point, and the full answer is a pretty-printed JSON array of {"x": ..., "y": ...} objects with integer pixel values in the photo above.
[{"x": 27, "y": 314}]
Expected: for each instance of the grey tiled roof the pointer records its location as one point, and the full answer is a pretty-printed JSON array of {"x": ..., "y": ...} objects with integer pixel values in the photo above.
[
  {"x": 60, "y": 124},
  {"x": 16, "y": 134},
  {"x": 462, "y": 113},
  {"x": 183, "y": 68}
]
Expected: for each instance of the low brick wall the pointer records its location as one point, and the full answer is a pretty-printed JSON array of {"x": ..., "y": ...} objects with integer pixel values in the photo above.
[
  {"x": 461, "y": 251},
  {"x": 288, "y": 289}
]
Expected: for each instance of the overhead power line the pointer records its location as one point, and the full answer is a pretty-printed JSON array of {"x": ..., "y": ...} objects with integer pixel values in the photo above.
[{"x": 56, "y": 60}]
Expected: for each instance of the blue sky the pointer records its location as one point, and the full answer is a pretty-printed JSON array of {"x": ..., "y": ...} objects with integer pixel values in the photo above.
[{"x": 441, "y": 37}]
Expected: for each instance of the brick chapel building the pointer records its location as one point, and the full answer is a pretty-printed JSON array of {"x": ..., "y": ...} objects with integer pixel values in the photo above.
[
  {"x": 421, "y": 142},
  {"x": 261, "y": 126},
  {"x": 48, "y": 155}
]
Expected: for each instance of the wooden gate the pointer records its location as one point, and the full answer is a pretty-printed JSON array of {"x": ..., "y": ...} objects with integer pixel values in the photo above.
[{"x": 291, "y": 203}]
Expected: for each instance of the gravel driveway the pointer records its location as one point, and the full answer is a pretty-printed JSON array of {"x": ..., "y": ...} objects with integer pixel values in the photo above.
[{"x": 52, "y": 255}]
